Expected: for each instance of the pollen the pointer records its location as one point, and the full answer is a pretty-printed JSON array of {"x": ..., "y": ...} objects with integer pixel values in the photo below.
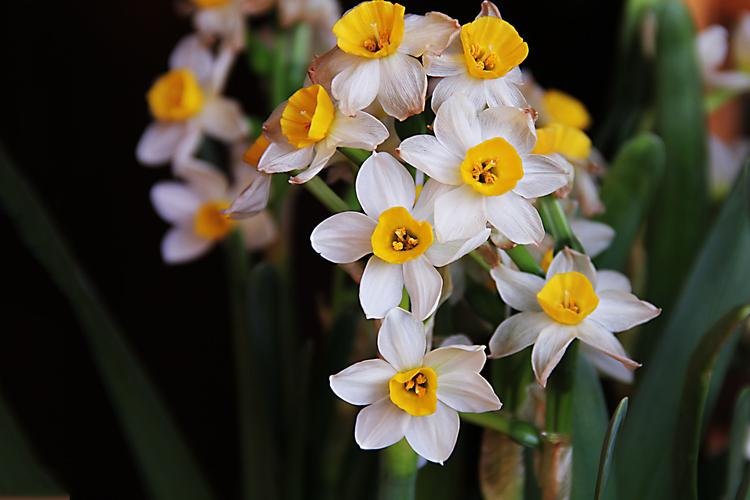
[
  {"x": 399, "y": 238},
  {"x": 371, "y": 29},
  {"x": 568, "y": 298},
  {"x": 175, "y": 96},
  {"x": 491, "y": 47},
  {"x": 415, "y": 391}
]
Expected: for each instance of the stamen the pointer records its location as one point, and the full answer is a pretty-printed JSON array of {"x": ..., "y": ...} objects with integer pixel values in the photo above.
[
  {"x": 569, "y": 302},
  {"x": 418, "y": 383},
  {"x": 403, "y": 240},
  {"x": 484, "y": 172},
  {"x": 483, "y": 58}
]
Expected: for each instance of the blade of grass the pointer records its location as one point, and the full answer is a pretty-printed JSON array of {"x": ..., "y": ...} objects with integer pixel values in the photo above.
[{"x": 608, "y": 447}]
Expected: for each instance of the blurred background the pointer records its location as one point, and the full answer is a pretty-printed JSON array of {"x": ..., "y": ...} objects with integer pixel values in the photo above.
[{"x": 75, "y": 76}]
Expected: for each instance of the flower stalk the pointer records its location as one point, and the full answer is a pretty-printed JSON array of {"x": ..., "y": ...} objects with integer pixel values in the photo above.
[
  {"x": 398, "y": 472},
  {"x": 326, "y": 195},
  {"x": 556, "y": 223}
]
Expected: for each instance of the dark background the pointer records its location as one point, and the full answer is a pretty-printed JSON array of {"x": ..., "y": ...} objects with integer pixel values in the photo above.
[{"x": 74, "y": 76}]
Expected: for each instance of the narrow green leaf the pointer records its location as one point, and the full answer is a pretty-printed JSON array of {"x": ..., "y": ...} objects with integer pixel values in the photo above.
[
  {"x": 608, "y": 447},
  {"x": 679, "y": 219},
  {"x": 21, "y": 473},
  {"x": 519, "y": 431},
  {"x": 738, "y": 436},
  {"x": 719, "y": 282},
  {"x": 627, "y": 192},
  {"x": 164, "y": 458}
]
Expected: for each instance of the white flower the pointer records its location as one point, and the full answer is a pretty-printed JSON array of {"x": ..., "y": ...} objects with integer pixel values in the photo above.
[
  {"x": 482, "y": 64},
  {"x": 398, "y": 231},
  {"x": 487, "y": 161},
  {"x": 713, "y": 46},
  {"x": 306, "y": 130},
  {"x": 226, "y": 18},
  {"x": 255, "y": 187},
  {"x": 412, "y": 394},
  {"x": 376, "y": 57},
  {"x": 573, "y": 302},
  {"x": 186, "y": 103},
  {"x": 196, "y": 211}
]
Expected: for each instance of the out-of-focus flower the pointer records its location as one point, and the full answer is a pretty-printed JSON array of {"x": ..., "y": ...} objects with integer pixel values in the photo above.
[
  {"x": 573, "y": 302},
  {"x": 713, "y": 47},
  {"x": 482, "y": 63},
  {"x": 487, "y": 161},
  {"x": 555, "y": 106},
  {"x": 225, "y": 19},
  {"x": 320, "y": 14},
  {"x": 196, "y": 211},
  {"x": 376, "y": 57},
  {"x": 725, "y": 163},
  {"x": 306, "y": 130},
  {"x": 412, "y": 394},
  {"x": 255, "y": 186},
  {"x": 397, "y": 229},
  {"x": 186, "y": 103}
]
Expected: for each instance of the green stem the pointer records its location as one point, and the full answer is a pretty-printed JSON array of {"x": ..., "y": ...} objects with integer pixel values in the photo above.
[
  {"x": 326, "y": 195},
  {"x": 398, "y": 472},
  {"x": 525, "y": 262},
  {"x": 357, "y": 156},
  {"x": 521, "y": 432},
  {"x": 556, "y": 223}
]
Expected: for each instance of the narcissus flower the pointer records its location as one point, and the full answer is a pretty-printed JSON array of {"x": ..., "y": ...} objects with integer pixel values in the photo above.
[
  {"x": 573, "y": 302},
  {"x": 196, "y": 211},
  {"x": 186, "y": 103},
  {"x": 376, "y": 57},
  {"x": 256, "y": 190},
  {"x": 487, "y": 161},
  {"x": 713, "y": 47},
  {"x": 306, "y": 130},
  {"x": 482, "y": 63},
  {"x": 412, "y": 394},
  {"x": 226, "y": 18},
  {"x": 397, "y": 228}
]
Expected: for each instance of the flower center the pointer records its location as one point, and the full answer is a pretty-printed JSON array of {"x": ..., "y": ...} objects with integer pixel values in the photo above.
[
  {"x": 566, "y": 109},
  {"x": 207, "y": 4},
  {"x": 175, "y": 96},
  {"x": 307, "y": 116},
  {"x": 371, "y": 29},
  {"x": 210, "y": 223},
  {"x": 492, "y": 47},
  {"x": 568, "y": 298},
  {"x": 492, "y": 167},
  {"x": 399, "y": 238},
  {"x": 415, "y": 391},
  {"x": 558, "y": 138}
]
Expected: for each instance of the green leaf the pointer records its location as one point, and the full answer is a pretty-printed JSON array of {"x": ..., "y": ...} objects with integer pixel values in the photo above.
[
  {"x": 694, "y": 394},
  {"x": 719, "y": 282},
  {"x": 738, "y": 436},
  {"x": 627, "y": 192},
  {"x": 589, "y": 429},
  {"x": 608, "y": 447},
  {"x": 21, "y": 474},
  {"x": 679, "y": 218},
  {"x": 164, "y": 458},
  {"x": 519, "y": 431}
]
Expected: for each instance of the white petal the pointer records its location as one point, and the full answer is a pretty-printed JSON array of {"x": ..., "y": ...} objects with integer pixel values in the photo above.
[
  {"x": 594, "y": 236},
  {"x": 424, "y": 208},
  {"x": 403, "y": 86},
  {"x": 605, "y": 365},
  {"x": 619, "y": 311},
  {"x": 462, "y": 83},
  {"x": 380, "y": 288},
  {"x": 515, "y": 125},
  {"x": 402, "y": 340},
  {"x": 587, "y": 192},
  {"x": 191, "y": 53},
  {"x": 457, "y": 126},
  {"x": 382, "y": 183},
  {"x": 459, "y": 214},
  {"x": 434, "y": 436},
  {"x": 549, "y": 349},
  {"x": 281, "y": 157},
  {"x": 504, "y": 92},
  {"x": 324, "y": 150},
  {"x": 379, "y": 425},
  {"x": 517, "y": 333},
  {"x": 442, "y": 254},
  {"x": 159, "y": 142},
  {"x": 357, "y": 85},
  {"x": 712, "y": 45},
  {"x": 427, "y": 154},
  {"x": 516, "y": 288},
  {"x": 343, "y": 237},
  {"x": 450, "y": 62},
  {"x": 174, "y": 201},
  {"x": 259, "y": 230},
  {"x": 253, "y": 198},
  {"x": 429, "y": 33},
  {"x": 424, "y": 284},
  {"x": 738, "y": 81},
  {"x": 363, "y": 383},
  {"x": 456, "y": 359},
  {"x": 207, "y": 181},
  {"x": 182, "y": 245},
  {"x": 468, "y": 392},
  {"x": 612, "y": 280},
  {"x": 362, "y": 131},
  {"x": 222, "y": 118},
  {"x": 515, "y": 217},
  {"x": 454, "y": 340},
  {"x": 605, "y": 341},
  {"x": 542, "y": 175},
  {"x": 569, "y": 260},
  {"x": 219, "y": 22}
]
